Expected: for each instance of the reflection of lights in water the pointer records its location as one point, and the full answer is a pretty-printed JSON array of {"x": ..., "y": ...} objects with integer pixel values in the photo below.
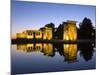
[
  {"x": 26, "y": 47},
  {"x": 38, "y": 47},
  {"x": 70, "y": 52},
  {"x": 48, "y": 49},
  {"x": 21, "y": 47},
  {"x": 29, "y": 47}
]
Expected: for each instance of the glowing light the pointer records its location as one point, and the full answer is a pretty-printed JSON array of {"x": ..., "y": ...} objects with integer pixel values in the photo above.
[{"x": 70, "y": 31}]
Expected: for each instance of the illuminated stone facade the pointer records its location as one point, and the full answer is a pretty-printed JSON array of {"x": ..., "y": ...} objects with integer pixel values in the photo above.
[
  {"x": 38, "y": 34},
  {"x": 70, "y": 31},
  {"x": 47, "y": 33},
  {"x": 30, "y": 34},
  {"x": 20, "y": 35}
]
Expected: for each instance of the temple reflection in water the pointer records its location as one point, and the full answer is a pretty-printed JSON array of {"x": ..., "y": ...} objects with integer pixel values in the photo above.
[
  {"x": 47, "y": 49},
  {"x": 68, "y": 51}
]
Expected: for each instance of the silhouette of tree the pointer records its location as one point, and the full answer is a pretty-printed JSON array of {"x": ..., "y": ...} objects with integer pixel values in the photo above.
[
  {"x": 51, "y": 25},
  {"x": 78, "y": 33},
  {"x": 60, "y": 31},
  {"x": 86, "y": 29},
  {"x": 86, "y": 24},
  {"x": 59, "y": 47},
  {"x": 86, "y": 51}
]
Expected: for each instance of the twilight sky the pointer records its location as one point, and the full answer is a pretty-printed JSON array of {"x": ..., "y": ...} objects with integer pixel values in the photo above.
[{"x": 33, "y": 15}]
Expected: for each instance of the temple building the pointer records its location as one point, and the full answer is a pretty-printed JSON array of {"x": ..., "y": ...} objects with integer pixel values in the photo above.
[
  {"x": 70, "y": 30},
  {"x": 38, "y": 34},
  {"x": 47, "y": 33},
  {"x": 30, "y": 34},
  {"x": 33, "y": 34},
  {"x": 21, "y": 35}
]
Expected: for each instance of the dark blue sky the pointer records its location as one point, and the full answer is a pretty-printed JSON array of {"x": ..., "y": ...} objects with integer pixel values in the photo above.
[{"x": 33, "y": 15}]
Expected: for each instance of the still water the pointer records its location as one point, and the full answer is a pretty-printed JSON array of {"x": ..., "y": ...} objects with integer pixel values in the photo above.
[{"x": 48, "y": 57}]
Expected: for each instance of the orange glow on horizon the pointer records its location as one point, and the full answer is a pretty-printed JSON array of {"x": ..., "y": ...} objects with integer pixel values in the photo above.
[{"x": 13, "y": 36}]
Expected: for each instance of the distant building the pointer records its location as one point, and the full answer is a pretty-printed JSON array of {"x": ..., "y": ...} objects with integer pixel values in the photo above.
[
  {"x": 38, "y": 34},
  {"x": 70, "y": 30},
  {"x": 47, "y": 33},
  {"x": 20, "y": 35},
  {"x": 30, "y": 34},
  {"x": 33, "y": 34}
]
